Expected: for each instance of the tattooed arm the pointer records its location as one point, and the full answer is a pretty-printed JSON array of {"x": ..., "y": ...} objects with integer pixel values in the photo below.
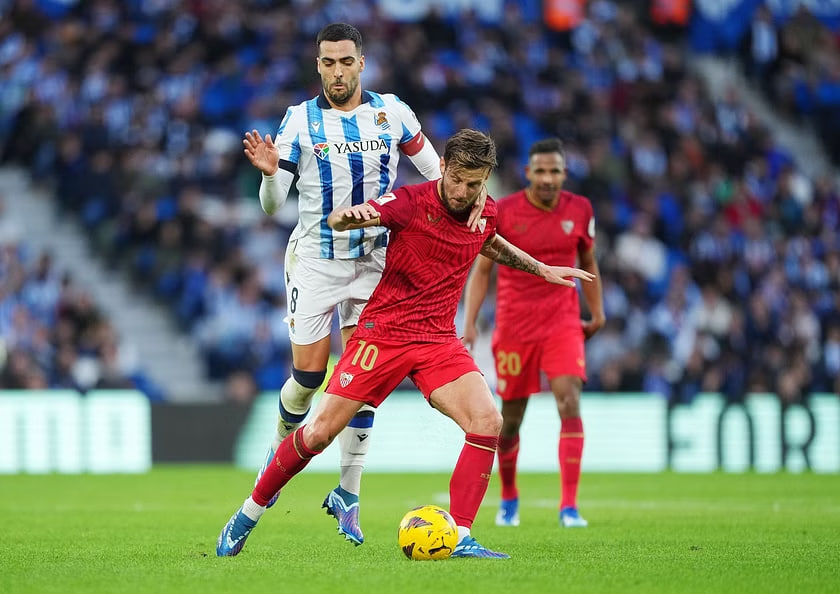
[{"x": 501, "y": 251}]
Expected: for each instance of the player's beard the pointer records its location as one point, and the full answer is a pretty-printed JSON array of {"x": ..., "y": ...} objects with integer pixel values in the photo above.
[
  {"x": 342, "y": 97},
  {"x": 453, "y": 206},
  {"x": 546, "y": 195}
]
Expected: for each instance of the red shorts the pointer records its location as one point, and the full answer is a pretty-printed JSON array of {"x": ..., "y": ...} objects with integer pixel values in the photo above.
[
  {"x": 370, "y": 369},
  {"x": 518, "y": 364}
]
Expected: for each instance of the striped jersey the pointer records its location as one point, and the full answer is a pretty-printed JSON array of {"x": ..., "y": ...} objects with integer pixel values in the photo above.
[
  {"x": 342, "y": 158},
  {"x": 526, "y": 305},
  {"x": 429, "y": 258}
]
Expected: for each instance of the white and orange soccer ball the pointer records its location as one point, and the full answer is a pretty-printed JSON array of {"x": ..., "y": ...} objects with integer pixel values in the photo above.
[{"x": 428, "y": 533}]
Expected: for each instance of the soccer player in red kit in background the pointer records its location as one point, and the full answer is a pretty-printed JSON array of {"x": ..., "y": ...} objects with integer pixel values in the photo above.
[
  {"x": 536, "y": 328},
  {"x": 408, "y": 329}
]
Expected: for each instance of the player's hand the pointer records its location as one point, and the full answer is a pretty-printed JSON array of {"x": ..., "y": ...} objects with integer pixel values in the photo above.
[
  {"x": 261, "y": 152},
  {"x": 343, "y": 218},
  {"x": 470, "y": 336},
  {"x": 558, "y": 274},
  {"x": 359, "y": 213},
  {"x": 590, "y": 327},
  {"x": 477, "y": 209}
]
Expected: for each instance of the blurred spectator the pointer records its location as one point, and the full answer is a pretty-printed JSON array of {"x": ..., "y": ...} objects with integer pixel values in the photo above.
[{"x": 688, "y": 190}]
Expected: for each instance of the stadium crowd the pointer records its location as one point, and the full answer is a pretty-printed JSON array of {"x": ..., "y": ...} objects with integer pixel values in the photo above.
[
  {"x": 720, "y": 259},
  {"x": 52, "y": 334},
  {"x": 797, "y": 65}
]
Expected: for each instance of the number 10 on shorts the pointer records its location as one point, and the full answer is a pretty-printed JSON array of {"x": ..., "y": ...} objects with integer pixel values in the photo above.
[{"x": 365, "y": 356}]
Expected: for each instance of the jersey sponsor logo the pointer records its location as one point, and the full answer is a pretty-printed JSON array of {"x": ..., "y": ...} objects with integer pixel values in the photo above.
[
  {"x": 567, "y": 226},
  {"x": 316, "y": 125},
  {"x": 345, "y": 378},
  {"x": 321, "y": 150},
  {"x": 482, "y": 224},
  {"x": 385, "y": 198},
  {"x": 361, "y": 146},
  {"x": 381, "y": 120},
  {"x": 433, "y": 220},
  {"x": 520, "y": 227},
  {"x": 591, "y": 228}
]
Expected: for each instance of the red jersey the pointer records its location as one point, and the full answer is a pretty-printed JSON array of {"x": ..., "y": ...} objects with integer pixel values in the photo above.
[
  {"x": 527, "y": 307},
  {"x": 430, "y": 253}
]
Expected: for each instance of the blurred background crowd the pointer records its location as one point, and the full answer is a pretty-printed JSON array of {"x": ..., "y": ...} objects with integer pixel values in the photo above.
[{"x": 720, "y": 256}]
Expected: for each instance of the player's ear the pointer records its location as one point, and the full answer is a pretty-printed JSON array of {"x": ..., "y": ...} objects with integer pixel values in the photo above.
[
  {"x": 442, "y": 166},
  {"x": 361, "y": 63}
]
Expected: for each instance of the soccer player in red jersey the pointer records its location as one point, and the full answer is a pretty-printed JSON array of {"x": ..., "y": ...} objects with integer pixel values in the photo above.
[
  {"x": 537, "y": 329},
  {"x": 407, "y": 329}
]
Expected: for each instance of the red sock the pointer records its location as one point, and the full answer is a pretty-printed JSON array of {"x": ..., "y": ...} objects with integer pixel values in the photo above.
[
  {"x": 570, "y": 451},
  {"x": 291, "y": 457},
  {"x": 471, "y": 477},
  {"x": 508, "y": 454}
]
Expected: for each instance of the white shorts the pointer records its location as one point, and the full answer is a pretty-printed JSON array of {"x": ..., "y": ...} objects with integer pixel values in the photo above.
[{"x": 316, "y": 286}]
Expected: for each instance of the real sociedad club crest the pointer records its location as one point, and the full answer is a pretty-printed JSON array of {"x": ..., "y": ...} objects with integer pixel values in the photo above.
[
  {"x": 381, "y": 120},
  {"x": 321, "y": 150}
]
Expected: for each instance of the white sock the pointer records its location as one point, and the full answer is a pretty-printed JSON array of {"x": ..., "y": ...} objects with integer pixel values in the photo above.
[
  {"x": 463, "y": 532},
  {"x": 354, "y": 443},
  {"x": 296, "y": 399},
  {"x": 253, "y": 510}
]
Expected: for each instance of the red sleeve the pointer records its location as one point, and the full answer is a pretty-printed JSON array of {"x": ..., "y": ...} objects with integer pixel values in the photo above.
[
  {"x": 395, "y": 208},
  {"x": 587, "y": 238}
]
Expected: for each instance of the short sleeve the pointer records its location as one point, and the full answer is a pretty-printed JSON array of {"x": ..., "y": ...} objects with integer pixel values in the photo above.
[{"x": 395, "y": 209}]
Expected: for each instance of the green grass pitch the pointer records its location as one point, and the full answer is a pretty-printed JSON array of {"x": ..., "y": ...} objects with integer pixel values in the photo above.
[{"x": 647, "y": 533}]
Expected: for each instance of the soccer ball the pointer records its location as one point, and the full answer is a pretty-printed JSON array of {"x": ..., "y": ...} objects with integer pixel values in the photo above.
[{"x": 427, "y": 532}]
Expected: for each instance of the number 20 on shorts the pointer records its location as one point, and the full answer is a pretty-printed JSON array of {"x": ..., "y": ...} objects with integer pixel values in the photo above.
[
  {"x": 508, "y": 363},
  {"x": 365, "y": 355}
]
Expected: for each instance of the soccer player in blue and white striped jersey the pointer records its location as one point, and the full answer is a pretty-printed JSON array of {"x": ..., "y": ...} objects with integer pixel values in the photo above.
[{"x": 344, "y": 145}]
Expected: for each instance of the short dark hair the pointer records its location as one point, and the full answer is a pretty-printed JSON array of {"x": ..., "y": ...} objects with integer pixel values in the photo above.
[
  {"x": 547, "y": 145},
  {"x": 339, "y": 32},
  {"x": 470, "y": 149}
]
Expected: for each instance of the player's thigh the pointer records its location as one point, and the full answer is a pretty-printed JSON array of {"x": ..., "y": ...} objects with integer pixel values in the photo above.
[
  {"x": 517, "y": 368},
  {"x": 563, "y": 354},
  {"x": 447, "y": 375},
  {"x": 314, "y": 288},
  {"x": 370, "y": 369},
  {"x": 467, "y": 401},
  {"x": 367, "y": 272},
  {"x": 311, "y": 357}
]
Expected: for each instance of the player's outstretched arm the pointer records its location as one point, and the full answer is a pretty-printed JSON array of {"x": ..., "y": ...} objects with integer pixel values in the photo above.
[
  {"x": 353, "y": 217},
  {"x": 265, "y": 156},
  {"x": 498, "y": 249},
  {"x": 474, "y": 295}
]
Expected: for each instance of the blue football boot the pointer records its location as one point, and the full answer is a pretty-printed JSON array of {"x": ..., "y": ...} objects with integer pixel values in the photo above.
[
  {"x": 234, "y": 534},
  {"x": 508, "y": 514},
  {"x": 570, "y": 518},
  {"x": 344, "y": 507},
  {"x": 470, "y": 548}
]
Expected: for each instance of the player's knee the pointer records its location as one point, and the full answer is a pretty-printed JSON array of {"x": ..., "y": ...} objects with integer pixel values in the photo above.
[
  {"x": 317, "y": 435},
  {"x": 568, "y": 404},
  {"x": 309, "y": 379},
  {"x": 489, "y": 423}
]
